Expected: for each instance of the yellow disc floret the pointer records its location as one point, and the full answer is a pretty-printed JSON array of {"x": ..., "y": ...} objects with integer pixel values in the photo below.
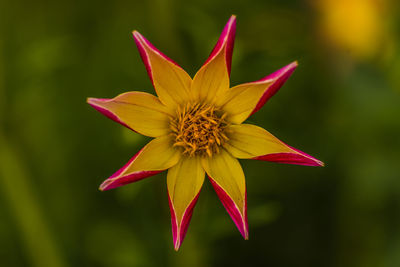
[{"x": 199, "y": 129}]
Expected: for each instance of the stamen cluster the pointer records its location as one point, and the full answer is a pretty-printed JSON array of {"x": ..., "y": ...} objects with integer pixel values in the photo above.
[{"x": 199, "y": 129}]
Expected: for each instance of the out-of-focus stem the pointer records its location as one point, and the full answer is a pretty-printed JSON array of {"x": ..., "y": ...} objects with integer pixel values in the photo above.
[
  {"x": 15, "y": 186},
  {"x": 16, "y": 189}
]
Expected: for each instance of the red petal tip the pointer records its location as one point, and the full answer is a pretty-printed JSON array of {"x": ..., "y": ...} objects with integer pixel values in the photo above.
[
  {"x": 93, "y": 100},
  {"x": 136, "y": 35},
  {"x": 238, "y": 217},
  {"x": 179, "y": 229},
  {"x": 246, "y": 237},
  {"x": 103, "y": 186},
  {"x": 177, "y": 245}
]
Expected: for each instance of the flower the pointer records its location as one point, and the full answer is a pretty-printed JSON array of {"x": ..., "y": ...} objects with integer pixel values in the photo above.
[
  {"x": 357, "y": 27},
  {"x": 197, "y": 129}
]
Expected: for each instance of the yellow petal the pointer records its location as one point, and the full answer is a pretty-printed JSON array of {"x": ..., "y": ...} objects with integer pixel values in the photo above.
[
  {"x": 228, "y": 173},
  {"x": 243, "y": 100},
  {"x": 141, "y": 112},
  {"x": 156, "y": 156},
  {"x": 184, "y": 182},
  {"x": 170, "y": 81},
  {"x": 239, "y": 101},
  {"x": 212, "y": 80},
  {"x": 227, "y": 178},
  {"x": 250, "y": 141}
]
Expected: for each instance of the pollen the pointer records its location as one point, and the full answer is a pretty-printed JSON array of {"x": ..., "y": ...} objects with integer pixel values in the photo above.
[{"x": 199, "y": 129}]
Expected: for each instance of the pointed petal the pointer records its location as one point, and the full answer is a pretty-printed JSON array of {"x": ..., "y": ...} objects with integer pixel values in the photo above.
[
  {"x": 139, "y": 111},
  {"x": 184, "y": 182},
  {"x": 157, "y": 156},
  {"x": 227, "y": 177},
  {"x": 227, "y": 39},
  {"x": 278, "y": 78},
  {"x": 212, "y": 80},
  {"x": 248, "y": 141},
  {"x": 170, "y": 81},
  {"x": 243, "y": 100},
  {"x": 240, "y": 101}
]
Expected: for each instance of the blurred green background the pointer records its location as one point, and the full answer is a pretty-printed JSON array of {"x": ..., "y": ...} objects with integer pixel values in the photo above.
[{"x": 342, "y": 105}]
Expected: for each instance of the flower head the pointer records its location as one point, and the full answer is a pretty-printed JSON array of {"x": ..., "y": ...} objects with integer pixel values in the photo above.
[{"x": 197, "y": 125}]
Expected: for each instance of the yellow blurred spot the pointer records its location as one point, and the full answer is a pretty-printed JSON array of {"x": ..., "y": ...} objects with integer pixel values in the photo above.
[{"x": 356, "y": 26}]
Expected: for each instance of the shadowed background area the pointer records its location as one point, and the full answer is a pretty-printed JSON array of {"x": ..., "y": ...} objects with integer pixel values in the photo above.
[{"x": 341, "y": 105}]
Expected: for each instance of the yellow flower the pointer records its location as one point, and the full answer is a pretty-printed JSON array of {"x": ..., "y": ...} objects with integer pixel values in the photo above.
[
  {"x": 357, "y": 27},
  {"x": 197, "y": 129}
]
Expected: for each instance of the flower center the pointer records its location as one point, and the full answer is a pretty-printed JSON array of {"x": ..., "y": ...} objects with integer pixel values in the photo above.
[{"x": 199, "y": 129}]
